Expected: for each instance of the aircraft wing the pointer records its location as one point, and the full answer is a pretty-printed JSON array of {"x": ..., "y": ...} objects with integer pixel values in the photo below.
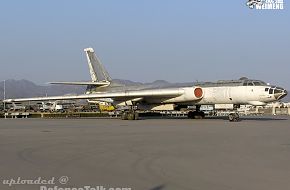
[{"x": 117, "y": 96}]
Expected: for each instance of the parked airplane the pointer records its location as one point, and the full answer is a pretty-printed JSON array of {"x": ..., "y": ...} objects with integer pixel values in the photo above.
[{"x": 102, "y": 88}]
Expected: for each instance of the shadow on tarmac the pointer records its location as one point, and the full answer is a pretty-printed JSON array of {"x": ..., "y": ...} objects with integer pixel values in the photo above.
[
  {"x": 159, "y": 187},
  {"x": 245, "y": 118}
]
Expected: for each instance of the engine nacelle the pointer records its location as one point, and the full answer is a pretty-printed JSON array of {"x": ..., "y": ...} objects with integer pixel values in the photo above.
[{"x": 190, "y": 94}]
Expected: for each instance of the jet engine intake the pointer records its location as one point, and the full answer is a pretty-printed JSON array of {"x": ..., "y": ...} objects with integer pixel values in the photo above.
[
  {"x": 198, "y": 92},
  {"x": 190, "y": 94}
]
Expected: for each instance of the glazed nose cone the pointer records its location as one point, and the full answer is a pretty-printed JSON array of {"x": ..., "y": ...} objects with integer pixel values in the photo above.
[{"x": 280, "y": 93}]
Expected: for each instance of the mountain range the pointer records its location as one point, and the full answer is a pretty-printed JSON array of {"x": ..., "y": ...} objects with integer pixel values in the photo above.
[{"x": 25, "y": 88}]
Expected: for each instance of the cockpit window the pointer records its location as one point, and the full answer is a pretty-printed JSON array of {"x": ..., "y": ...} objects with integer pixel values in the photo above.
[
  {"x": 266, "y": 89},
  {"x": 250, "y": 84},
  {"x": 257, "y": 83},
  {"x": 271, "y": 91},
  {"x": 254, "y": 83}
]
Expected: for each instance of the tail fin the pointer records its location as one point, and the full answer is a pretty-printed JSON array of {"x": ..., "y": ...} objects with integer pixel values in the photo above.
[{"x": 97, "y": 70}]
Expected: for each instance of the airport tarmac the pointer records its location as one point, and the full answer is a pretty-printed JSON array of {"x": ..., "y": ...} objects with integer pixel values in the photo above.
[{"x": 148, "y": 154}]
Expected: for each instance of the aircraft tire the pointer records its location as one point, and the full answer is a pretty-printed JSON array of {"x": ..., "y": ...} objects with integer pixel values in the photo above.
[
  {"x": 237, "y": 117},
  {"x": 136, "y": 116},
  {"x": 196, "y": 115},
  {"x": 190, "y": 115},
  {"x": 131, "y": 116},
  {"x": 234, "y": 117},
  {"x": 124, "y": 116},
  {"x": 199, "y": 115},
  {"x": 231, "y": 117}
]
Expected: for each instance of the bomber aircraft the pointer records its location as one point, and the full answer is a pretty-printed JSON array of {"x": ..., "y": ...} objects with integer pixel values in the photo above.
[{"x": 103, "y": 89}]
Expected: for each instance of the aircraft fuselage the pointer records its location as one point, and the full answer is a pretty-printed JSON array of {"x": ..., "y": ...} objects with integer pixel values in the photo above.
[{"x": 240, "y": 92}]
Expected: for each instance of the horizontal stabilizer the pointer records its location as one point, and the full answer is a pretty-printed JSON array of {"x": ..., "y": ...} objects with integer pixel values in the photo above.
[{"x": 82, "y": 83}]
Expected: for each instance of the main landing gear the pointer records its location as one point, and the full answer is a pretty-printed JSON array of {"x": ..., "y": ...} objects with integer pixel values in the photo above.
[
  {"x": 196, "y": 114},
  {"x": 130, "y": 115}
]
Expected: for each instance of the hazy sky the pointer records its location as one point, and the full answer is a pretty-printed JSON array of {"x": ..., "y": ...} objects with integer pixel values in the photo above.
[{"x": 144, "y": 40}]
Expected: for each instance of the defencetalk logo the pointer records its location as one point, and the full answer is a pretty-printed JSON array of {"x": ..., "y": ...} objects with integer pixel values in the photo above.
[{"x": 266, "y": 4}]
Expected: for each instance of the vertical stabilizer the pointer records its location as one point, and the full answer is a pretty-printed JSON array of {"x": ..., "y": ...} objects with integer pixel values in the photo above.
[{"x": 97, "y": 70}]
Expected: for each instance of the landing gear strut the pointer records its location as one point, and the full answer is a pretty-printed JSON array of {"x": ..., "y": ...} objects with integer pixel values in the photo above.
[
  {"x": 130, "y": 115},
  {"x": 197, "y": 114}
]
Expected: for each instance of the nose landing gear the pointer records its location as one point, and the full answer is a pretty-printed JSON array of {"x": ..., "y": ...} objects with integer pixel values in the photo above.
[{"x": 234, "y": 117}]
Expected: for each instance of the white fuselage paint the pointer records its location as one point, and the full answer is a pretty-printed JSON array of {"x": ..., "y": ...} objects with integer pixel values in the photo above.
[
  {"x": 254, "y": 95},
  {"x": 240, "y": 95}
]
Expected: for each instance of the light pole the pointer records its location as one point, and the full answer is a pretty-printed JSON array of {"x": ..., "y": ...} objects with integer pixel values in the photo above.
[{"x": 4, "y": 94}]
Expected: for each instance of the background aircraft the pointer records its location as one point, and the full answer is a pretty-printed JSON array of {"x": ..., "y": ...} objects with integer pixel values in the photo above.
[{"x": 103, "y": 89}]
